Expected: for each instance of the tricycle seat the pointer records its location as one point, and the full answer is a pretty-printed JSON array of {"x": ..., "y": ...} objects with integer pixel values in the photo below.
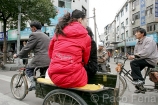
[{"x": 88, "y": 87}]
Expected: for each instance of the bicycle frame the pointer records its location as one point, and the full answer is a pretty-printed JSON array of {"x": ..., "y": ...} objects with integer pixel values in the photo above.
[
  {"x": 21, "y": 75},
  {"x": 127, "y": 73},
  {"x": 124, "y": 71}
]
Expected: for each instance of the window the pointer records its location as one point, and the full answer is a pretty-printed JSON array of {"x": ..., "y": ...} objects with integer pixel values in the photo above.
[
  {"x": 122, "y": 36},
  {"x": 136, "y": 16},
  {"x": 126, "y": 34},
  {"x": 64, "y": 3},
  {"x": 135, "y": 3},
  {"x": 154, "y": 27},
  {"x": 122, "y": 13},
  {"x": 149, "y": 10},
  {"x": 126, "y": 7},
  {"x": 127, "y": 21},
  {"x": 84, "y": 10},
  {"x": 122, "y": 24},
  {"x": 151, "y": 27},
  {"x": 117, "y": 17},
  {"x": 117, "y": 28}
]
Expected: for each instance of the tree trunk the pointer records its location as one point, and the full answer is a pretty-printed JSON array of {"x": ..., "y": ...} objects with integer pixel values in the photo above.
[{"x": 4, "y": 43}]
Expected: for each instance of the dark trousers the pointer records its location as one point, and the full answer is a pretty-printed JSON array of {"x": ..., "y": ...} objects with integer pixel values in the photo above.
[
  {"x": 137, "y": 66},
  {"x": 25, "y": 61},
  {"x": 30, "y": 71}
]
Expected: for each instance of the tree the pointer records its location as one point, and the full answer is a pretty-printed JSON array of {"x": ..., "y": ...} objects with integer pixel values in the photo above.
[{"x": 40, "y": 10}]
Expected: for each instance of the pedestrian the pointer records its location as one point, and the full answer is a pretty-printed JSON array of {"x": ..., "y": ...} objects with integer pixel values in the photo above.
[
  {"x": 25, "y": 57},
  {"x": 102, "y": 56}
]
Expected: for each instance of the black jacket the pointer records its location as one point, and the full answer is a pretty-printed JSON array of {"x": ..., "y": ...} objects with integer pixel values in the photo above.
[{"x": 92, "y": 66}]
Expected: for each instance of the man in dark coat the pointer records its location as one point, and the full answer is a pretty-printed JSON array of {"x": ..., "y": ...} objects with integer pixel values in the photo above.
[
  {"x": 92, "y": 66},
  {"x": 39, "y": 43}
]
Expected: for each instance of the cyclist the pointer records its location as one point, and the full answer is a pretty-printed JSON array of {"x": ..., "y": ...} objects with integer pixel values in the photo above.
[
  {"x": 69, "y": 51},
  {"x": 38, "y": 42},
  {"x": 146, "y": 53},
  {"x": 102, "y": 55}
]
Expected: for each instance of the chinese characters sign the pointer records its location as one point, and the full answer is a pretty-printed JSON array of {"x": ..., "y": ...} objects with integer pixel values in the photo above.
[
  {"x": 2, "y": 36},
  {"x": 156, "y": 8},
  {"x": 142, "y": 12}
]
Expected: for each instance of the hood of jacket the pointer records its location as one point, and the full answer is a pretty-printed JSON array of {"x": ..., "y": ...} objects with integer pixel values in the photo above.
[{"x": 75, "y": 30}]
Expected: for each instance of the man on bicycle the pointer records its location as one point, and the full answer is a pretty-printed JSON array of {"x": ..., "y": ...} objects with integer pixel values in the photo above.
[
  {"x": 38, "y": 42},
  {"x": 145, "y": 54},
  {"x": 102, "y": 56}
]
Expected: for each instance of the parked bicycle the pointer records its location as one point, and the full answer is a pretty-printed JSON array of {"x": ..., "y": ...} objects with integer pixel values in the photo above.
[{"x": 127, "y": 74}]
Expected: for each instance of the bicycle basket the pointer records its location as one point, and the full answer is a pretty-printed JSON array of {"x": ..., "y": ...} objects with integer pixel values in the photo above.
[{"x": 118, "y": 67}]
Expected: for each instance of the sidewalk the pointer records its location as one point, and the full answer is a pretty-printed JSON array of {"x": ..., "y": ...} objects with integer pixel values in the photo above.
[{"x": 14, "y": 66}]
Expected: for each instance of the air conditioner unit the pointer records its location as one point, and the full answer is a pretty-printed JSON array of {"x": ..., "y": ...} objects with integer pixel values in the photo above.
[
  {"x": 133, "y": 8},
  {"x": 132, "y": 22}
]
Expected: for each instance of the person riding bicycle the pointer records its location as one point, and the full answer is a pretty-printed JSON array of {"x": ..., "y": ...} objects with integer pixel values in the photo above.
[
  {"x": 145, "y": 54},
  {"x": 102, "y": 56},
  {"x": 38, "y": 42},
  {"x": 69, "y": 51}
]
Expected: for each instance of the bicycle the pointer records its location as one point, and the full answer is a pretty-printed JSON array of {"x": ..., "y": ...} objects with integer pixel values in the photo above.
[
  {"x": 123, "y": 73},
  {"x": 20, "y": 82}
]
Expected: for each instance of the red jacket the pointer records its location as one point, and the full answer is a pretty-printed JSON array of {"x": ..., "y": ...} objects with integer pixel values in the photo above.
[{"x": 68, "y": 56}]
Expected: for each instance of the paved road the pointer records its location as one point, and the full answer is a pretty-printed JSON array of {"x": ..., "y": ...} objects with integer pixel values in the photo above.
[
  {"x": 150, "y": 98},
  {"x": 129, "y": 98}
]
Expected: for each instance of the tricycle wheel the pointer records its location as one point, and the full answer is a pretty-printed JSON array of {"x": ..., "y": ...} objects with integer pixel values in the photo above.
[{"x": 63, "y": 97}]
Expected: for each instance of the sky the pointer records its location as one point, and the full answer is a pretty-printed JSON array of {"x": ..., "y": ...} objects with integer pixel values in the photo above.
[{"x": 105, "y": 12}]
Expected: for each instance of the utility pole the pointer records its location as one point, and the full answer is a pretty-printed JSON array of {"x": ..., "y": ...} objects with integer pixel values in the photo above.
[
  {"x": 95, "y": 34},
  {"x": 125, "y": 50},
  {"x": 18, "y": 36}
]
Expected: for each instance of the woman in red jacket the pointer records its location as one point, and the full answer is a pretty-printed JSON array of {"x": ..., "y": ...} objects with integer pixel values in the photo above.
[{"x": 69, "y": 51}]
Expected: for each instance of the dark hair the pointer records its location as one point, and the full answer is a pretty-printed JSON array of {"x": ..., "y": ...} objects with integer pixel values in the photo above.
[
  {"x": 36, "y": 24},
  {"x": 141, "y": 30},
  {"x": 90, "y": 33},
  {"x": 66, "y": 19}
]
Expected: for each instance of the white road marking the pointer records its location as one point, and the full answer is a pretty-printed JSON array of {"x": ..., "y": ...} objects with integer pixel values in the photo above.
[
  {"x": 5, "y": 78},
  {"x": 6, "y": 100}
]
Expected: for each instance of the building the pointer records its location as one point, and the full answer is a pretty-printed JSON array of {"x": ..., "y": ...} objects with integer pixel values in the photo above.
[
  {"x": 134, "y": 14},
  {"x": 62, "y": 7},
  {"x": 110, "y": 32}
]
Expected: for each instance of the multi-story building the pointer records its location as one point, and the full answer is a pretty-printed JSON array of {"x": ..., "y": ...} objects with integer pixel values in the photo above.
[
  {"x": 109, "y": 32},
  {"x": 123, "y": 27},
  {"x": 134, "y": 14},
  {"x": 61, "y": 5}
]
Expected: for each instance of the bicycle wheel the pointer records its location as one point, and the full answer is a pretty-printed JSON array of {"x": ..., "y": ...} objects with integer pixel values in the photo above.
[
  {"x": 19, "y": 86},
  {"x": 63, "y": 97},
  {"x": 122, "y": 86}
]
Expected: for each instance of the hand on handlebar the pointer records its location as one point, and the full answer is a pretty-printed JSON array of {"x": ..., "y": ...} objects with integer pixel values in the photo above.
[
  {"x": 130, "y": 57},
  {"x": 15, "y": 56}
]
